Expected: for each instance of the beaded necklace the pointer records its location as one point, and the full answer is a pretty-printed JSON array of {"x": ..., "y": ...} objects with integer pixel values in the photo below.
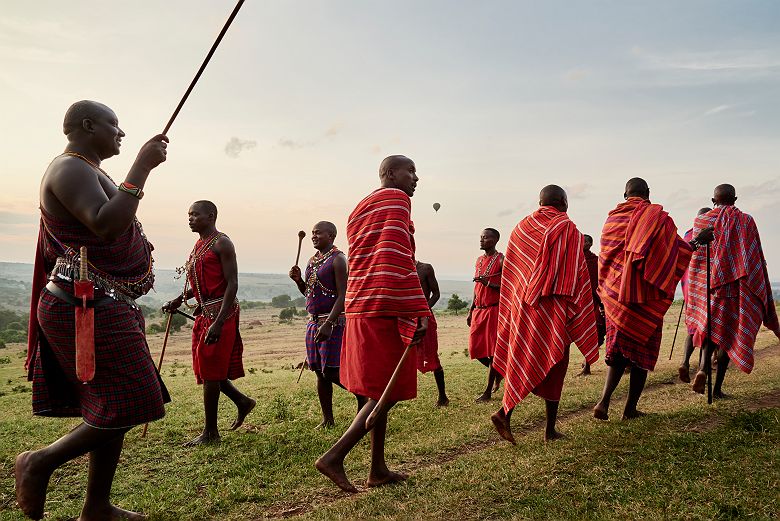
[
  {"x": 195, "y": 255},
  {"x": 492, "y": 258},
  {"x": 315, "y": 263}
]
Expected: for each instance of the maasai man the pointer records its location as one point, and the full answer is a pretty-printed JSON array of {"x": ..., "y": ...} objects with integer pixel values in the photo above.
[
  {"x": 740, "y": 293},
  {"x": 592, "y": 261},
  {"x": 546, "y": 304},
  {"x": 684, "y": 371},
  {"x": 483, "y": 313},
  {"x": 212, "y": 279},
  {"x": 428, "y": 348},
  {"x": 81, "y": 206},
  {"x": 324, "y": 288},
  {"x": 386, "y": 313},
  {"x": 641, "y": 261}
]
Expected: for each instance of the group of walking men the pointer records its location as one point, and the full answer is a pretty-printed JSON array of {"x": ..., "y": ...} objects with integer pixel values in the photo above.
[{"x": 366, "y": 311}]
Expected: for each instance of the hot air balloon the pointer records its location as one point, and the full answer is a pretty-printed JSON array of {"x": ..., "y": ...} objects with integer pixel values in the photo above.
[{"x": 436, "y": 207}]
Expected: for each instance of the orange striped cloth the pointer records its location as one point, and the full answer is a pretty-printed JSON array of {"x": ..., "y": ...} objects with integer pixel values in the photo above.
[
  {"x": 641, "y": 261},
  {"x": 383, "y": 280},
  {"x": 545, "y": 302},
  {"x": 741, "y": 295}
]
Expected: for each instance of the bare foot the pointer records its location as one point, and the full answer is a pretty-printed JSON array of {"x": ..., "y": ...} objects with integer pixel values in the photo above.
[
  {"x": 243, "y": 412},
  {"x": 699, "y": 382},
  {"x": 684, "y": 373},
  {"x": 630, "y": 415},
  {"x": 585, "y": 372},
  {"x": 386, "y": 479},
  {"x": 334, "y": 471},
  {"x": 554, "y": 435},
  {"x": 600, "y": 412},
  {"x": 497, "y": 386},
  {"x": 205, "y": 438},
  {"x": 720, "y": 395},
  {"x": 110, "y": 513},
  {"x": 483, "y": 398},
  {"x": 31, "y": 485},
  {"x": 502, "y": 426},
  {"x": 326, "y": 424},
  {"x": 442, "y": 402}
]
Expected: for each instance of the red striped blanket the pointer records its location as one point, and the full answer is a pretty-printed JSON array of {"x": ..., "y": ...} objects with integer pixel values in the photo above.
[
  {"x": 383, "y": 280},
  {"x": 741, "y": 296},
  {"x": 641, "y": 261},
  {"x": 545, "y": 302}
]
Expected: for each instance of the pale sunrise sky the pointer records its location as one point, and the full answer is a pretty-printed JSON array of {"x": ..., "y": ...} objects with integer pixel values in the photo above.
[{"x": 492, "y": 99}]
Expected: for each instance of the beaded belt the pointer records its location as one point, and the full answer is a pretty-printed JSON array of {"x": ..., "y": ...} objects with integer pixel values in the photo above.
[
  {"x": 320, "y": 319},
  {"x": 485, "y": 307},
  {"x": 210, "y": 308}
]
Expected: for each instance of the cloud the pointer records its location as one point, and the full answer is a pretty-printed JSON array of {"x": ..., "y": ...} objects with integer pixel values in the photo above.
[
  {"x": 723, "y": 60},
  {"x": 13, "y": 218},
  {"x": 770, "y": 188},
  {"x": 577, "y": 74},
  {"x": 291, "y": 143},
  {"x": 235, "y": 146},
  {"x": 334, "y": 130},
  {"x": 330, "y": 133},
  {"x": 716, "y": 110},
  {"x": 578, "y": 191}
]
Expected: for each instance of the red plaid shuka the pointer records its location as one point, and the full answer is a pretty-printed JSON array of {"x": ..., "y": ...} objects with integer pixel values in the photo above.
[
  {"x": 383, "y": 279},
  {"x": 545, "y": 302},
  {"x": 384, "y": 296},
  {"x": 741, "y": 296},
  {"x": 641, "y": 261},
  {"x": 127, "y": 389}
]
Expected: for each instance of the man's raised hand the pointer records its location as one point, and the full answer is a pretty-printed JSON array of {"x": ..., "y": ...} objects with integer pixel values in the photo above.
[{"x": 153, "y": 152}]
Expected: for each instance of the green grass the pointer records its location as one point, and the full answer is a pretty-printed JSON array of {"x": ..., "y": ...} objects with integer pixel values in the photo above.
[{"x": 685, "y": 461}]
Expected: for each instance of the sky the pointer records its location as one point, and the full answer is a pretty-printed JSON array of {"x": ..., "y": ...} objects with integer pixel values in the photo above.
[{"x": 492, "y": 100}]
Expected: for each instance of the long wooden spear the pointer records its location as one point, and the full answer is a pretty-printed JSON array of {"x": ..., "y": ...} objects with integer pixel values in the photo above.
[{"x": 203, "y": 66}]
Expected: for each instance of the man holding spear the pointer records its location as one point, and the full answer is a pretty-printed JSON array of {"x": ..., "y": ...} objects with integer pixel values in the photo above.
[
  {"x": 325, "y": 287},
  {"x": 740, "y": 294},
  {"x": 387, "y": 315},
  {"x": 212, "y": 279},
  {"x": 81, "y": 206}
]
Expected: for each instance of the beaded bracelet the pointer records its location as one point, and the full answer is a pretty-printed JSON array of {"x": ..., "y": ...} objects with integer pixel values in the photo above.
[{"x": 131, "y": 189}]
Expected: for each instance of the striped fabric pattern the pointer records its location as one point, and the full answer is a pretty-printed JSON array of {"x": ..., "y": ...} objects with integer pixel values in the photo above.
[
  {"x": 741, "y": 296},
  {"x": 641, "y": 261},
  {"x": 545, "y": 302},
  {"x": 383, "y": 279}
]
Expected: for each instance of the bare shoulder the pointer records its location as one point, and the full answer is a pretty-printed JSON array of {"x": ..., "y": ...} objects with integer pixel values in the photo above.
[
  {"x": 68, "y": 169},
  {"x": 224, "y": 244},
  {"x": 340, "y": 260},
  {"x": 64, "y": 179}
]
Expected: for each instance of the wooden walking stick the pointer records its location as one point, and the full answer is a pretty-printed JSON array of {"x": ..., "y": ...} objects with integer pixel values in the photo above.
[
  {"x": 677, "y": 328},
  {"x": 380, "y": 405},
  {"x": 301, "y": 235},
  {"x": 162, "y": 355},
  {"x": 708, "y": 354},
  {"x": 203, "y": 66}
]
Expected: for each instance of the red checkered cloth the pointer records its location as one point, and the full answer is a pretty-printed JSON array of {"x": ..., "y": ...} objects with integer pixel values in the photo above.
[
  {"x": 641, "y": 261},
  {"x": 545, "y": 304},
  {"x": 428, "y": 349},
  {"x": 741, "y": 295},
  {"x": 484, "y": 316},
  {"x": 127, "y": 389}
]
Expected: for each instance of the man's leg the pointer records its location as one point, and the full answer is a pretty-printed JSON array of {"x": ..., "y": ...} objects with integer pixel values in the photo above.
[
  {"x": 243, "y": 403},
  {"x": 210, "y": 434},
  {"x": 331, "y": 464},
  {"x": 700, "y": 380},
  {"x": 723, "y": 363},
  {"x": 325, "y": 394},
  {"x": 380, "y": 474},
  {"x": 614, "y": 374},
  {"x": 502, "y": 423},
  {"x": 685, "y": 367},
  {"x": 585, "y": 369},
  {"x": 33, "y": 469},
  {"x": 102, "y": 467},
  {"x": 488, "y": 394},
  {"x": 636, "y": 385},
  {"x": 443, "y": 401},
  {"x": 551, "y": 415},
  {"x": 485, "y": 360}
]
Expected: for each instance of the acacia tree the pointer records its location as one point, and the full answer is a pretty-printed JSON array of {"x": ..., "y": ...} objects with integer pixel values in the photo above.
[{"x": 455, "y": 303}]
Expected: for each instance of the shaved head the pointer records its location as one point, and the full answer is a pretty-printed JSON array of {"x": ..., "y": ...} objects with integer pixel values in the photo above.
[
  {"x": 555, "y": 196},
  {"x": 588, "y": 241},
  {"x": 725, "y": 194},
  {"x": 328, "y": 227},
  {"x": 207, "y": 207},
  {"x": 703, "y": 210},
  {"x": 637, "y": 187},
  {"x": 392, "y": 163},
  {"x": 81, "y": 110}
]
